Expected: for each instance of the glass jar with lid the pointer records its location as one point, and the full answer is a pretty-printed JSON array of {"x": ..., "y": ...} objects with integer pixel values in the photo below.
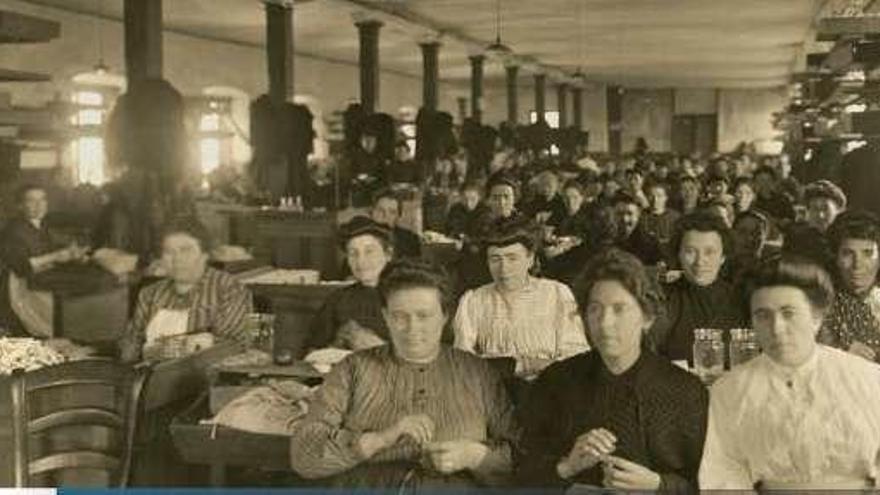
[
  {"x": 708, "y": 353},
  {"x": 743, "y": 346}
]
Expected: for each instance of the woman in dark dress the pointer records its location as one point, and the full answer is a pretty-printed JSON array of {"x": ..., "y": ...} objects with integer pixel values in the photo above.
[
  {"x": 351, "y": 317},
  {"x": 622, "y": 417},
  {"x": 701, "y": 297}
]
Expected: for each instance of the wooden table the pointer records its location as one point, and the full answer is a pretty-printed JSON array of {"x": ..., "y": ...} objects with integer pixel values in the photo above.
[
  {"x": 220, "y": 447},
  {"x": 290, "y": 239},
  {"x": 91, "y": 305}
]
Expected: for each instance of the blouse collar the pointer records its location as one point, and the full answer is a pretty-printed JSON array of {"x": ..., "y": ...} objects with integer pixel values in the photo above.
[{"x": 793, "y": 374}]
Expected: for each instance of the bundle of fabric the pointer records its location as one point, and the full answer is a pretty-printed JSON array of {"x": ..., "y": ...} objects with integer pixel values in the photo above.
[
  {"x": 273, "y": 409},
  {"x": 26, "y": 354}
]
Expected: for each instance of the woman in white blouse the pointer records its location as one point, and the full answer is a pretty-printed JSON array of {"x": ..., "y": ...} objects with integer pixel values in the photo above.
[
  {"x": 531, "y": 319},
  {"x": 801, "y": 415}
]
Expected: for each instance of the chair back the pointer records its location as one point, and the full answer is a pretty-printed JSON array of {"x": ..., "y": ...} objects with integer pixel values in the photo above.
[{"x": 74, "y": 423}]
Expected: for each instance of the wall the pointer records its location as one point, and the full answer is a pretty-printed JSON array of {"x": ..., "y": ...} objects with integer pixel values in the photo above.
[
  {"x": 647, "y": 113},
  {"x": 191, "y": 64},
  {"x": 744, "y": 115},
  {"x": 593, "y": 107}
]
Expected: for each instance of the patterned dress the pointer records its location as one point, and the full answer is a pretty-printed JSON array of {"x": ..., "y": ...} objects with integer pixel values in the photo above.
[{"x": 853, "y": 319}]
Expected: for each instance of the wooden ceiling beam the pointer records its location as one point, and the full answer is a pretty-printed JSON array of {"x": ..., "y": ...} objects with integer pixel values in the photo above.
[{"x": 9, "y": 75}]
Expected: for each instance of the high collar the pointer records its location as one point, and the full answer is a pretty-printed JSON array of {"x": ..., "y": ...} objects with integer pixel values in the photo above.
[
  {"x": 629, "y": 376},
  {"x": 797, "y": 373}
]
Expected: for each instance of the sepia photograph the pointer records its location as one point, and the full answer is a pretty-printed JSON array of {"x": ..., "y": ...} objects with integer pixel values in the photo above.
[{"x": 431, "y": 247}]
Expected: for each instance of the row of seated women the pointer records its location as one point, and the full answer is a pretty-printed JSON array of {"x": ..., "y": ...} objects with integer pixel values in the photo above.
[{"x": 418, "y": 413}]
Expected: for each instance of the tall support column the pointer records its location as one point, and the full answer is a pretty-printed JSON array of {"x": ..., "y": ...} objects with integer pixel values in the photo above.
[
  {"x": 368, "y": 33},
  {"x": 577, "y": 103},
  {"x": 512, "y": 96},
  {"x": 279, "y": 50},
  {"x": 477, "y": 87},
  {"x": 462, "y": 108},
  {"x": 540, "y": 88},
  {"x": 614, "y": 104},
  {"x": 562, "y": 104},
  {"x": 430, "y": 74},
  {"x": 143, "y": 39}
]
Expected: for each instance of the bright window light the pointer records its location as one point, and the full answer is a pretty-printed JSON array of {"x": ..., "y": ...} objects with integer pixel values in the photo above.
[
  {"x": 210, "y": 122},
  {"x": 88, "y": 98},
  {"x": 90, "y": 117},
  {"x": 90, "y": 160},
  {"x": 551, "y": 116},
  {"x": 209, "y": 149}
]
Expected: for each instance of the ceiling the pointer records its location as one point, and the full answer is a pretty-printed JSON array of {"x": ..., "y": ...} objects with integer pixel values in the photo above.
[{"x": 636, "y": 43}]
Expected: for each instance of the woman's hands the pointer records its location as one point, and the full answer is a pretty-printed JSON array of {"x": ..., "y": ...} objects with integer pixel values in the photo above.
[
  {"x": 446, "y": 457},
  {"x": 627, "y": 475},
  {"x": 456, "y": 455},
  {"x": 419, "y": 427},
  {"x": 588, "y": 449}
]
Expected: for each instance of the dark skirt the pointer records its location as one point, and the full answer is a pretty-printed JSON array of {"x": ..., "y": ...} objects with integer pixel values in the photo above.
[{"x": 401, "y": 477}]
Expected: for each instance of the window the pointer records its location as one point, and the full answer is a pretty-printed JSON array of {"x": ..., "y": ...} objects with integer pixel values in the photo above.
[
  {"x": 88, "y": 118},
  {"x": 209, "y": 147}
]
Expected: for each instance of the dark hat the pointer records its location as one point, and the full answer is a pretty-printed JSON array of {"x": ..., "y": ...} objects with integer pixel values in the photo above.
[
  {"x": 825, "y": 189},
  {"x": 361, "y": 225}
]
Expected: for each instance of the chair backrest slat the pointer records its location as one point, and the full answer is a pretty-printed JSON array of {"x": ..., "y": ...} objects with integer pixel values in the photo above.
[
  {"x": 68, "y": 460},
  {"x": 66, "y": 399},
  {"x": 79, "y": 416}
]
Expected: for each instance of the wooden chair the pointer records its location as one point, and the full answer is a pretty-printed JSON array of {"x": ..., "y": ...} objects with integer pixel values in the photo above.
[{"x": 74, "y": 424}]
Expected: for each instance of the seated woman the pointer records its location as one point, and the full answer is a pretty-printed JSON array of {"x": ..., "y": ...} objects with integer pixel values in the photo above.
[
  {"x": 195, "y": 298},
  {"x": 413, "y": 412},
  {"x": 531, "y": 319},
  {"x": 853, "y": 324},
  {"x": 502, "y": 191},
  {"x": 621, "y": 417},
  {"x": 567, "y": 252},
  {"x": 824, "y": 201},
  {"x": 351, "y": 318},
  {"x": 799, "y": 416},
  {"x": 27, "y": 248},
  {"x": 701, "y": 298}
]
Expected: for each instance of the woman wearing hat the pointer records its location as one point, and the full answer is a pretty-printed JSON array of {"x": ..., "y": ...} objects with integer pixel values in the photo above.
[
  {"x": 824, "y": 202},
  {"x": 351, "y": 318}
]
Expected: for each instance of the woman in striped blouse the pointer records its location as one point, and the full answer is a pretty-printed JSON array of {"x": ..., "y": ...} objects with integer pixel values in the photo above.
[
  {"x": 193, "y": 299},
  {"x": 413, "y": 414}
]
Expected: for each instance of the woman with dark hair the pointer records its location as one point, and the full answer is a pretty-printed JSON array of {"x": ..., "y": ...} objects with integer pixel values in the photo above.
[
  {"x": 351, "y": 318},
  {"x": 502, "y": 194},
  {"x": 799, "y": 416},
  {"x": 853, "y": 324},
  {"x": 414, "y": 414},
  {"x": 566, "y": 249},
  {"x": 531, "y": 319},
  {"x": 824, "y": 201},
  {"x": 701, "y": 298},
  {"x": 195, "y": 298},
  {"x": 28, "y": 247},
  {"x": 622, "y": 416}
]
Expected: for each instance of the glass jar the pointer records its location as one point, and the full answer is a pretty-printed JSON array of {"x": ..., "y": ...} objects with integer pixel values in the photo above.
[
  {"x": 708, "y": 353},
  {"x": 743, "y": 346},
  {"x": 260, "y": 329}
]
